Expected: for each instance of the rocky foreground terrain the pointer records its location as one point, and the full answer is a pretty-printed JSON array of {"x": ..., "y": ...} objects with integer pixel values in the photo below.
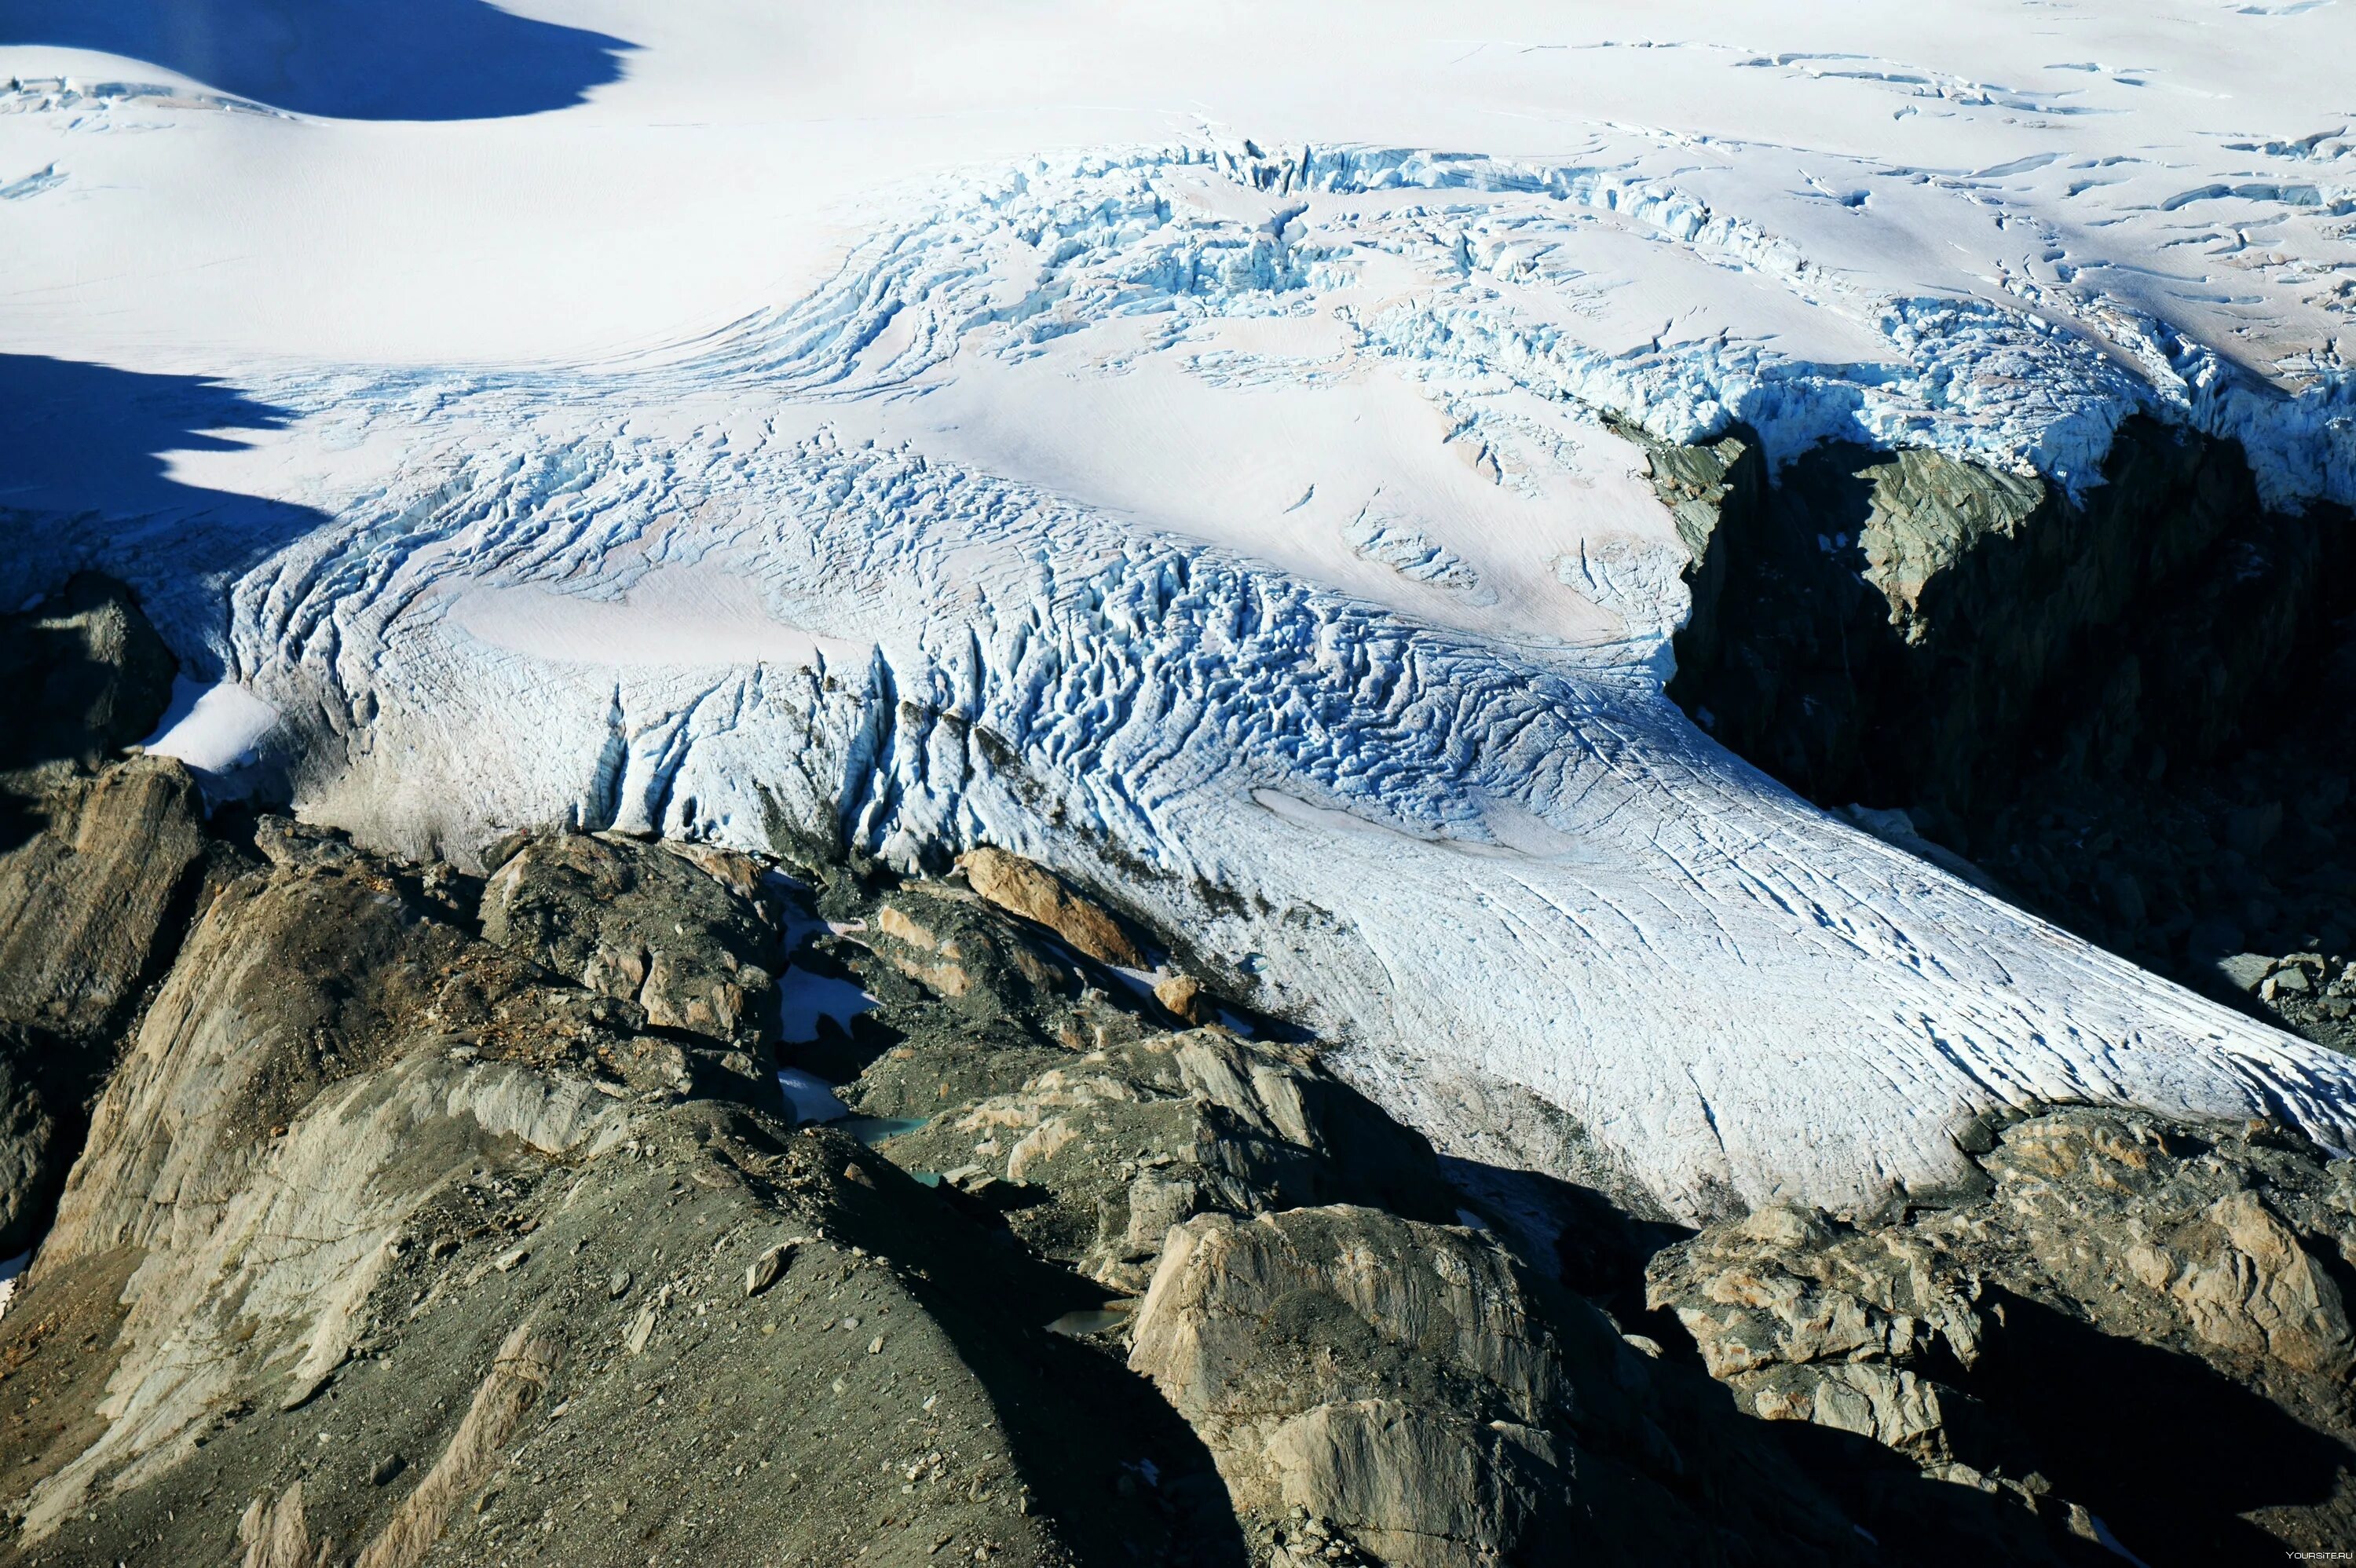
[{"x": 390, "y": 1213}]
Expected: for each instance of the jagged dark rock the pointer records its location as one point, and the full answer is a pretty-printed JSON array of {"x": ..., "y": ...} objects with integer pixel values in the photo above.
[
  {"x": 2121, "y": 711},
  {"x": 31, "y": 1162},
  {"x": 1910, "y": 625},
  {"x": 86, "y": 676}
]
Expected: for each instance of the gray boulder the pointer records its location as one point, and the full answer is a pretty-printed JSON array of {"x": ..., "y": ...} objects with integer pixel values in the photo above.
[
  {"x": 1378, "y": 1389},
  {"x": 681, "y": 930},
  {"x": 1098, "y": 1155}
]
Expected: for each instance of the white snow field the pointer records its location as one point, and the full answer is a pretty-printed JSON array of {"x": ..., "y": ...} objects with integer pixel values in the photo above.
[{"x": 1171, "y": 442}]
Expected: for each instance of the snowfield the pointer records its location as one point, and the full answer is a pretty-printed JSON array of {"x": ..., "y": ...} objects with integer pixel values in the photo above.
[{"x": 1184, "y": 456}]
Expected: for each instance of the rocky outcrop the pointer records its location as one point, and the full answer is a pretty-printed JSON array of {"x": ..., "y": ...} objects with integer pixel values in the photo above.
[
  {"x": 87, "y": 903},
  {"x": 32, "y": 1161},
  {"x": 391, "y": 1244},
  {"x": 91, "y": 907},
  {"x": 1095, "y": 1158},
  {"x": 2137, "y": 1330},
  {"x": 1713, "y": 492},
  {"x": 99, "y": 860},
  {"x": 683, "y": 933},
  {"x": 1376, "y": 1390},
  {"x": 1910, "y": 625},
  {"x": 86, "y": 676},
  {"x": 952, "y": 944},
  {"x": 2308, "y": 993},
  {"x": 1075, "y": 1116}
]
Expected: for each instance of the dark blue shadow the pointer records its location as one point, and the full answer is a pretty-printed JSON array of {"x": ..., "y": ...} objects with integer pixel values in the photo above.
[
  {"x": 349, "y": 59},
  {"x": 83, "y": 485}
]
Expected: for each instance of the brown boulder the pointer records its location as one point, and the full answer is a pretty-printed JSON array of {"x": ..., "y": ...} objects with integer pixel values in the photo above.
[{"x": 1024, "y": 888}]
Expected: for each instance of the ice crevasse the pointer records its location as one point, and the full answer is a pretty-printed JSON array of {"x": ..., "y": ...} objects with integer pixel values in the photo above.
[{"x": 1239, "y": 527}]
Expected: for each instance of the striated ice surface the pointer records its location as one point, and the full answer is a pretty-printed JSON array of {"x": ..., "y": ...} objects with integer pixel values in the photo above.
[{"x": 1227, "y": 502}]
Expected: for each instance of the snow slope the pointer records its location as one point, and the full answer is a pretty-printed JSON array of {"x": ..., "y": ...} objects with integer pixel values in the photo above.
[{"x": 1174, "y": 447}]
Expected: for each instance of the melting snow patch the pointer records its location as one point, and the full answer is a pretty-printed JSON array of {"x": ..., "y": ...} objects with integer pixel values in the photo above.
[
  {"x": 803, "y": 998},
  {"x": 216, "y": 730},
  {"x": 811, "y": 1096}
]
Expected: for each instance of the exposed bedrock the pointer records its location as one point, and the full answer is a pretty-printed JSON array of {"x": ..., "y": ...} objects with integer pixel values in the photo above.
[
  {"x": 394, "y": 1244},
  {"x": 406, "y": 1234},
  {"x": 100, "y": 863},
  {"x": 2122, "y": 710},
  {"x": 391, "y": 1245},
  {"x": 2137, "y": 1329}
]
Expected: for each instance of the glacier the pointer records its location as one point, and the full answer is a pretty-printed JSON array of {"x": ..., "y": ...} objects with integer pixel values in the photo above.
[{"x": 1246, "y": 521}]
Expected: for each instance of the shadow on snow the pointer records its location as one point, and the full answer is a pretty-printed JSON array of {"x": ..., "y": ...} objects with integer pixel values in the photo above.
[
  {"x": 85, "y": 485},
  {"x": 349, "y": 59}
]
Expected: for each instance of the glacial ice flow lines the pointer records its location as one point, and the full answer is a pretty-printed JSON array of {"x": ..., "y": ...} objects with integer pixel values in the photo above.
[{"x": 795, "y": 579}]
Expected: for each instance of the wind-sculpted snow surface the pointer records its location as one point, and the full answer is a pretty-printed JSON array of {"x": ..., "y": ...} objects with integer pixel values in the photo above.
[{"x": 1240, "y": 524}]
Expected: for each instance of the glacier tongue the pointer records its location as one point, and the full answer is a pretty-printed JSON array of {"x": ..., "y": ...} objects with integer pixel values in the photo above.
[
  {"x": 1479, "y": 870},
  {"x": 1235, "y": 528}
]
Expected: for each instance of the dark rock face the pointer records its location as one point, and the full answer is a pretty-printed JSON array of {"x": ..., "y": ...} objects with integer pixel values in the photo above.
[
  {"x": 97, "y": 871},
  {"x": 1906, "y": 627},
  {"x": 2139, "y": 1324},
  {"x": 86, "y": 676},
  {"x": 2123, "y": 712},
  {"x": 31, "y": 1165}
]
